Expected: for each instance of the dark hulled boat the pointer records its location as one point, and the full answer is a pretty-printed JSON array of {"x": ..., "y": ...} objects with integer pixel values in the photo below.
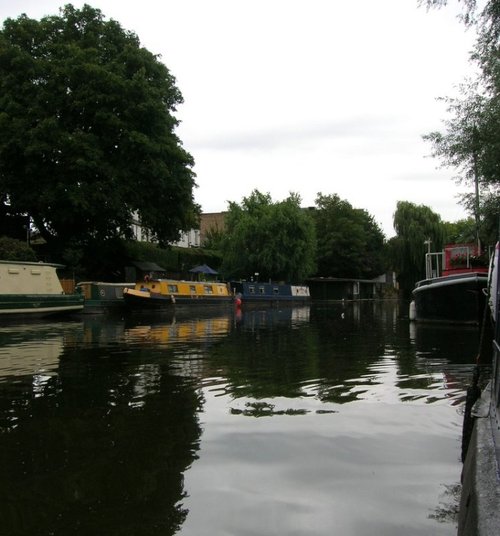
[
  {"x": 260, "y": 292},
  {"x": 455, "y": 288}
]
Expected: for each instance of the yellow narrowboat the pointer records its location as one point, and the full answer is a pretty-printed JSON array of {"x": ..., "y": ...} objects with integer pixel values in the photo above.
[{"x": 167, "y": 293}]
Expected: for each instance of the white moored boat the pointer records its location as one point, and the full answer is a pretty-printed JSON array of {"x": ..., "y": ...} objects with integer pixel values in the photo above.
[{"x": 33, "y": 289}]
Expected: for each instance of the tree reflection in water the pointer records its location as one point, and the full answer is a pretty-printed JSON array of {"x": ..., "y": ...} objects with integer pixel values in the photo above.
[{"x": 100, "y": 449}]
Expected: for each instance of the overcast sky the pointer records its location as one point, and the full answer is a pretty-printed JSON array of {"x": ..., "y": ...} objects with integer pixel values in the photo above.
[{"x": 305, "y": 96}]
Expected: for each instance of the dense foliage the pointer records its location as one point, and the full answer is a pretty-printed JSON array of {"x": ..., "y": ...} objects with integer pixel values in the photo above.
[
  {"x": 177, "y": 261},
  {"x": 273, "y": 239},
  {"x": 350, "y": 243},
  {"x": 15, "y": 250},
  {"x": 415, "y": 226},
  {"x": 459, "y": 232},
  {"x": 87, "y": 136},
  {"x": 471, "y": 138}
]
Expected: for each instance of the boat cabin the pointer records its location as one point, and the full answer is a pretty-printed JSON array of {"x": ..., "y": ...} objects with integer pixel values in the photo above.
[
  {"x": 456, "y": 259},
  {"x": 261, "y": 291},
  {"x": 17, "y": 277},
  {"x": 184, "y": 289}
]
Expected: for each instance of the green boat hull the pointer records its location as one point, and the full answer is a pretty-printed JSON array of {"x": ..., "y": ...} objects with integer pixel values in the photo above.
[{"x": 39, "y": 304}]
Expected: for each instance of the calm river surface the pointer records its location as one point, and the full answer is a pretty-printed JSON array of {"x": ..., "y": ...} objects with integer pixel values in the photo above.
[{"x": 317, "y": 420}]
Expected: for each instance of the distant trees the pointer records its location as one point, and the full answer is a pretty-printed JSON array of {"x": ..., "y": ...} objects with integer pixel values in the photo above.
[
  {"x": 87, "y": 132},
  {"x": 461, "y": 231},
  {"x": 274, "y": 239},
  {"x": 280, "y": 240},
  {"x": 350, "y": 242}
]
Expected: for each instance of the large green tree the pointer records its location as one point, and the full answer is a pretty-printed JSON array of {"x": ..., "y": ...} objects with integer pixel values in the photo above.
[
  {"x": 274, "y": 239},
  {"x": 471, "y": 144},
  {"x": 460, "y": 231},
  {"x": 471, "y": 139},
  {"x": 415, "y": 226},
  {"x": 350, "y": 242},
  {"x": 87, "y": 131}
]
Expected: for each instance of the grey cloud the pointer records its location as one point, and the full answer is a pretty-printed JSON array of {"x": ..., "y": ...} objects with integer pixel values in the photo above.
[{"x": 364, "y": 129}]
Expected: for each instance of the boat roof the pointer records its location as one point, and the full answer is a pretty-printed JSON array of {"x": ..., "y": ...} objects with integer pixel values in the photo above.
[
  {"x": 159, "y": 279},
  {"x": 108, "y": 284},
  {"x": 29, "y": 263}
]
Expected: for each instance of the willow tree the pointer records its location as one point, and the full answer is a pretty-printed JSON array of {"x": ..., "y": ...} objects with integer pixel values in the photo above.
[
  {"x": 418, "y": 229},
  {"x": 275, "y": 240},
  {"x": 87, "y": 131}
]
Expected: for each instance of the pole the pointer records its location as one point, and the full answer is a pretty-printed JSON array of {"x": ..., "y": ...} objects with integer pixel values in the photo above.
[
  {"x": 475, "y": 135},
  {"x": 428, "y": 261}
]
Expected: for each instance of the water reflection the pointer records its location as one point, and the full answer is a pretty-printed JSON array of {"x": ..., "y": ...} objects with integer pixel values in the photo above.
[
  {"x": 338, "y": 354},
  {"x": 258, "y": 317},
  {"x": 81, "y": 455},
  {"x": 33, "y": 348},
  {"x": 257, "y": 421}
]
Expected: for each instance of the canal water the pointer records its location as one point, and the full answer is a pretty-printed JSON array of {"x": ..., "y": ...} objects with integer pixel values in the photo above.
[{"x": 314, "y": 420}]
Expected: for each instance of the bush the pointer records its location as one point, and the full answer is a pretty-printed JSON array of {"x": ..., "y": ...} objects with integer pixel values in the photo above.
[
  {"x": 175, "y": 260},
  {"x": 15, "y": 250}
]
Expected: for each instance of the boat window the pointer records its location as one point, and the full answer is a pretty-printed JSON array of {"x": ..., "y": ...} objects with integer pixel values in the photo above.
[
  {"x": 460, "y": 254},
  {"x": 173, "y": 288},
  {"x": 276, "y": 290},
  {"x": 261, "y": 290},
  {"x": 192, "y": 288},
  {"x": 208, "y": 289},
  {"x": 461, "y": 250},
  {"x": 251, "y": 290},
  {"x": 221, "y": 290}
]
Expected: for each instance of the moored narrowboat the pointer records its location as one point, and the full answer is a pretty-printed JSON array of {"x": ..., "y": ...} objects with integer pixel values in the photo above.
[
  {"x": 250, "y": 291},
  {"x": 170, "y": 293},
  {"x": 102, "y": 297},
  {"x": 33, "y": 289}
]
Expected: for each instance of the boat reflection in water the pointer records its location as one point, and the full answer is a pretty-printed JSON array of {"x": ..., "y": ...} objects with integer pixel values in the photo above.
[
  {"x": 259, "y": 316},
  {"x": 445, "y": 342},
  {"x": 33, "y": 350},
  {"x": 208, "y": 324},
  {"x": 178, "y": 332},
  {"x": 446, "y": 354}
]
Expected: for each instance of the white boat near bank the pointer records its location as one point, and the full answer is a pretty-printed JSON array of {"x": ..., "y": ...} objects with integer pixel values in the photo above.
[{"x": 33, "y": 289}]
